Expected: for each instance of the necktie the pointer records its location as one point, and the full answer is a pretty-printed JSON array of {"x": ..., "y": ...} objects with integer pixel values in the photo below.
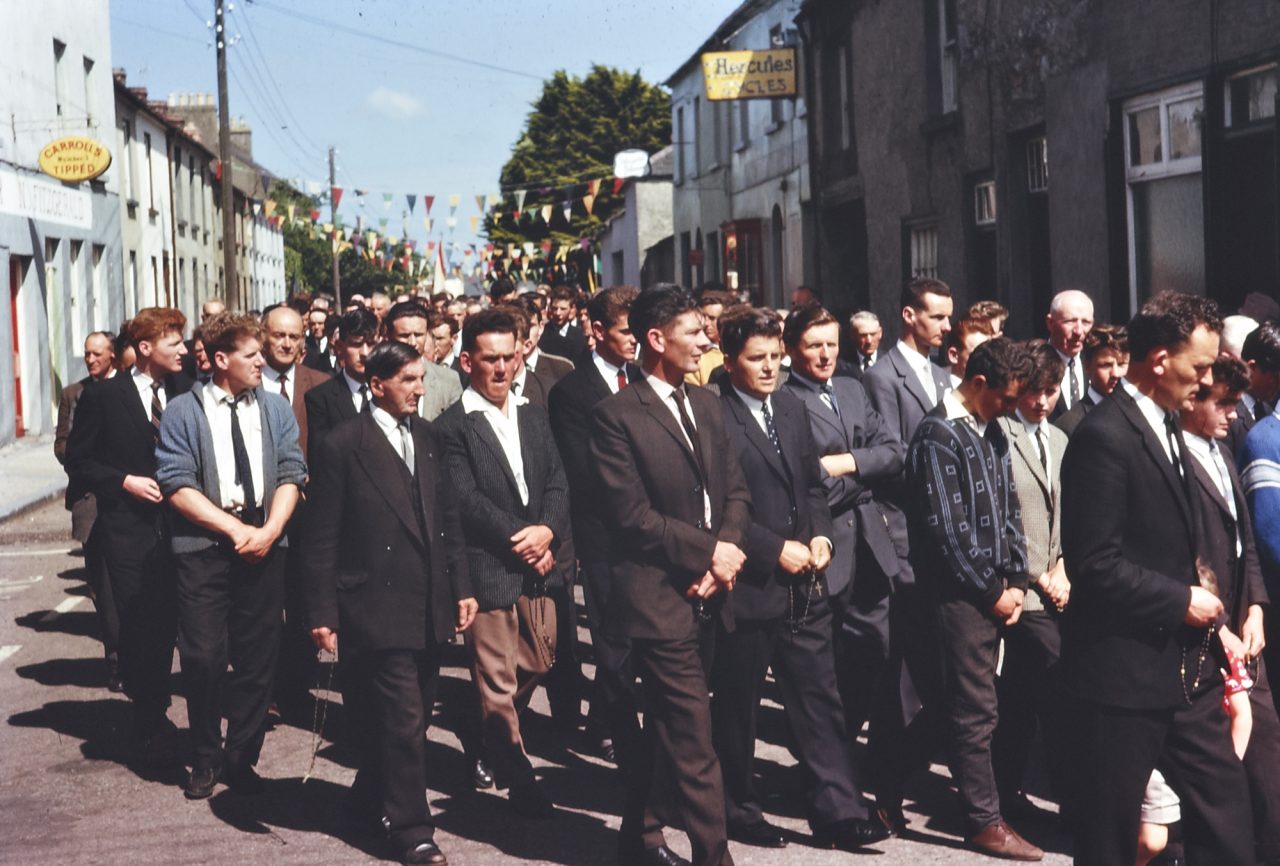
[
  {"x": 770, "y": 427},
  {"x": 284, "y": 381},
  {"x": 1260, "y": 410},
  {"x": 866, "y": 362},
  {"x": 829, "y": 397},
  {"x": 1175, "y": 453},
  {"x": 157, "y": 409},
  {"x": 365, "y": 405},
  {"x": 1075, "y": 382},
  {"x": 622, "y": 378},
  {"x": 1224, "y": 478},
  {"x": 689, "y": 430},
  {"x": 1044, "y": 455},
  {"x": 244, "y": 471},
  {"x": 406, "y": 444}
]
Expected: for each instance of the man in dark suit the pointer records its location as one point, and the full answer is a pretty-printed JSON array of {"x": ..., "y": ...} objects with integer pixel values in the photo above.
[
  {"x": 514, "y": 501},
  {"x": 1105, "y": 357},
  {"x": 99, "y": 361},
  {"x": 1227, "y": 546},
  {"x": 1261, "y": 351},
  {"x": 409, "y": 322},
  {"x": 562, "y": 336},
  {"x": 112, "y": 453},
  {"x": 347, "y": 394},
  {"x": 867, "y": 334},
  {"x": 282, "y": 374},
  {"x": 550, "y": 368},
  {"x": 612, "y": 713},
  {"x": 320, "y": 355},
  {"x": 1069, "y": 320},
  {"x": 782, "y": 617},
  {"x": 386, "y": 573},
  {"x": 677, "y": 507},
  {"x": 1136, "y": 637}
]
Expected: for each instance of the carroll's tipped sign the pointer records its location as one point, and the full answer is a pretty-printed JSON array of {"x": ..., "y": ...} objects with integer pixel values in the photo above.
[
  {"x": 750, "y": 74},
  {"x": 74, "y": 159}
]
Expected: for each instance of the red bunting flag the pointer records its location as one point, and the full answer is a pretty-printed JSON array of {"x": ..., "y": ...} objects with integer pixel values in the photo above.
[
  {"x": 428, "y": 200},
  {"x": 617, "y": 184},
  {"x": 336, "y": 192},
  {"x": 593, "y": 187},
  {"x": 315, "y": 215}
]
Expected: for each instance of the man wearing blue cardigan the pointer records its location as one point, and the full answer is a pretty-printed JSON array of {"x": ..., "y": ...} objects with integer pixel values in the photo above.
[{"x": 230, "y": 465}]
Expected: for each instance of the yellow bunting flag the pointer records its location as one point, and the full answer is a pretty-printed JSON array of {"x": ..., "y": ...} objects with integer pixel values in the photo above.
[
  {"x": 593, "y": 187},
  {"x": 546, "y": 213},
  {"x": 588, "y": 201},
  {"x": 475, "y": 222}
]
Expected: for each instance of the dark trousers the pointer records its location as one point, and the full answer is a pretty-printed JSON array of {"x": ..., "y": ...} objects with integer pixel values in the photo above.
[
  {"x": 140, "y": 570},
  {"x": 805, "y": 670},
  {"x": 615, "y": 701},
  {"x": 677, "y": 733},
  {"x": 860, "y": 638},
  {"x": 970, "y": 641},
  {"x": 297, "y": 666},
  {"x": 104, "y": 600},
  {"x": 1262, "y": 767},
  {"x": 228, "y": 612},
  {"x": 1030, "y": 689},
  {"x": 392, "y": 692},
  {"x": 564, "y": 681},
  {"x": 1191, "y": 744}
]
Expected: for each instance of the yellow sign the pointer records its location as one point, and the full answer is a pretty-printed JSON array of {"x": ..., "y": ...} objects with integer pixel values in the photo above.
[
  {"x": 750, "y": 74},
  {"x": 74, "y": 159}
]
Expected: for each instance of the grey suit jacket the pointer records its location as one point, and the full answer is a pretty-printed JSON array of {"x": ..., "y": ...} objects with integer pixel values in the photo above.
[
  {"x": 896, "y": 393},
  {"x": 1039, "y": 499},
  {"x": 443, "y": 390}
]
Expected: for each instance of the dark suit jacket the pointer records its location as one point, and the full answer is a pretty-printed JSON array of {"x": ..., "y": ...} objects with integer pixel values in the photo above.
[
  {"x": 489, "y": 501},
  {"x": 1239, "y": 577},
  {"x": 653, "y": 505},
  {"x": 305, "y": 379},
  {"x": 463, "y": 379},
  {"x": 536, "y": 388},
  {"x": 372, "y": 571},
  {"x": 1129, "y": 540},
  {"x": 858, "y": 510},
  {"x": 572, "y": 345},
  {"x": 316, "y": 359},
  {"x": 896, "y": 393},
  {"x": 328, "y": 405},
  {"x": 112, "y": 437},
  {"x": 66, "y": 416},
  {"x": 552, "y": 368},
  {"x": 570, "y": 403},
  {"x": 1240, "y": 428},
  {"x": 1068, "y": 421},
  {"x": 787, "y": 499}
]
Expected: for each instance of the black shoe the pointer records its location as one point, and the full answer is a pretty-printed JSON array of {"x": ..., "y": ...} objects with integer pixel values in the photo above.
[
  {"x": 850, "y": 834},
  {"x": 892, "y": 817},
  {"x": 200, "y": 783},
  {"x": 660, "y": 856},
  {"x": 762, "y": 834},
  {"x": 528, "y": 799},
  {"x": 480, "y": 775},
  {"x": 424, "y": 852},
  {"x": 244, "y": 780},
  {"x": 605, "y": 747}
]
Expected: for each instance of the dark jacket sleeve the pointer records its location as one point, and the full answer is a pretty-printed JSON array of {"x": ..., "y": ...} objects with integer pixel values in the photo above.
[
  {"x": 326, "y": 498},
  {"x": 555, "y": 492},
  {"x": 85, "y": 461}
]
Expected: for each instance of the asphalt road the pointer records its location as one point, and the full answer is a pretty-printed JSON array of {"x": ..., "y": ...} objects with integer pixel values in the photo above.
[{"x": 72, "y": 790}]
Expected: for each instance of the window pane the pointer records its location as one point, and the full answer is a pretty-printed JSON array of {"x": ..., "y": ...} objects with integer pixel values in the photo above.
[
  {"x": 1144, "y": 136},
  {"x": 1184, "y": 128},
  {"x": 1252, "y": 97},
  {"x": 1168, "y": 235}
]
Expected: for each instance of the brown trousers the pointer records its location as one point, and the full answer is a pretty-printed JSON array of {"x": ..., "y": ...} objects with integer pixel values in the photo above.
[{"x": 511, "y": 649}]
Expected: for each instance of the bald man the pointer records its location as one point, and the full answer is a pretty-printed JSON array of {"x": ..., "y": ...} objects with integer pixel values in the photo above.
[
  {"x": 211, "y": 308},
  {"x": 283, "y": 346},
  {"x": 1069, "y": 321}
]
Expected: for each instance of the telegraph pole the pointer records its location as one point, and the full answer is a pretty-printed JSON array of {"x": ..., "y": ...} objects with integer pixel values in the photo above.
[
  {"x": 230, "y": 285},
  {"x": 333, "y": 242}
]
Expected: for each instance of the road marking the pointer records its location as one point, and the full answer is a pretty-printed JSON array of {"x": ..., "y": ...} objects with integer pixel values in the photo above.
[
  {"x": 64, "y": 551},
  {"x": 18, "y": 584},
  {"x": 6, "y": 651},
  {"x": 67, "y": 604}
]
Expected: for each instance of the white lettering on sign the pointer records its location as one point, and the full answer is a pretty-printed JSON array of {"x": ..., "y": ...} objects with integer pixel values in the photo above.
[{"x": 40, "y": 200}]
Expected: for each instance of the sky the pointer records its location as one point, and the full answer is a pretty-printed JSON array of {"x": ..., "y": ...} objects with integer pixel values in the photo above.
[{"x": 421, "y": 97}]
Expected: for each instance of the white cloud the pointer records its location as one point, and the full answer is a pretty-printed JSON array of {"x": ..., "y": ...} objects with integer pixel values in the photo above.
[{"x": 393, "y": 104}]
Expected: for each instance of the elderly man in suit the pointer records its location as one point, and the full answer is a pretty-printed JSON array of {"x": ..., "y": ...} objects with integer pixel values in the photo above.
[
  {"x": 409, "y": 322},
  {"x": 782, "y": 615},
  {"x": 514, "y": 501},
  {"x": 347, "y": 394},
  {"x": 99, "y": 361},
  {"x": 1069, "y": 320},
  {"x": 1030, "y": 685},
  {"x": 282, "y": 374},
  {"x": 1137, "y": 636},
  {"x": 1227, "y": 545},
  {"x": 677, "y": 507},
  {"x": 387, "y": 577},
  {"x": 112, "y": 453}
]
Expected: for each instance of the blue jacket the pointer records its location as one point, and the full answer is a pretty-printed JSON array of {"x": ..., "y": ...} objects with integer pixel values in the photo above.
[
  {"x": 1259, "y": 463},
  {"x": 184, "y": 458}
]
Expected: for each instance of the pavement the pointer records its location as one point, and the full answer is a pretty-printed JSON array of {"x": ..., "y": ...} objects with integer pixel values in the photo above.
[
  {"x": 29, "y": 474},
  {"x": 72, "y": 790}
]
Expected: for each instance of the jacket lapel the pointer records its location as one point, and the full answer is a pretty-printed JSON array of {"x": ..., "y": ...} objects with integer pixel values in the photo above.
[
  {"x": 1030, "y": 453},
  {"x": 1211, "y": 490},
  {"x": 1155, "y": 451},
  {"x": 757, "y": 437},
  {"x": 910, "y": 380},
  {"x": 386, "y": 470},
  {"x": 660, "y": 413},
  {"x": 481, "y": 429},
  {"x": 426, "y": 467},
  {"x": 133, "y": 403}
]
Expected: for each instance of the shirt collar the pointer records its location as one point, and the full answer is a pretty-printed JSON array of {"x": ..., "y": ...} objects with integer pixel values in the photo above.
[
  {"x": 604, "y": 365},
  {"x": 386, "y": 421},
  {"x": 1249, "y": 401},
  {"x": 141, "y": 379},
  {"x": 274, "y": 375},
  {"x": 1199, "y": 445},
  {"x": 474, "y": 401},
  {"x": 1030, "y": 427},
  {"x": 756, "y": 406},
  {"x": 221, "y": 396},
  {"x": 661, "y": 388},
  {"x": 1153, "y": 413},
  {"x": 1095, "y": 395},
  {"x": 807, "y": 382},
  {"x": 956, "y": 410},
  {"x": 914, "y": 358},
  {"x": 354, "y": 384},
  {"x": 1066, "y": 359}
]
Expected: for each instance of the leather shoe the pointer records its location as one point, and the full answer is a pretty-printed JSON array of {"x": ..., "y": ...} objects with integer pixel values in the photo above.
[
  {"x": 660, "y": 856},
  {"x": 244, "y": 780},
  {"x": 850, "y": 834},
  {"x": 1000, "y": 840},
  {"x": 891, "y": 816},
  {"x": 762, "y": 834},
  {"x": 200, "y": 783},
  {"x": 480, "y": 775},
  {"x": 425, "y": 852},
  {"x": 529, "y": 800}
]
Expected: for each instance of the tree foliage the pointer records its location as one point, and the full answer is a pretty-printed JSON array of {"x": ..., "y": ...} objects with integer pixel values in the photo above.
[{"x": 570, "y": 137}]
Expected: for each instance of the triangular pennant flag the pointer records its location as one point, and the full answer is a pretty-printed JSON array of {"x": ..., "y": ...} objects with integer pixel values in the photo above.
[
  {"x": 588, "y": 201},
  {"x": 617, "y": 184},
  {"x": 546, "y": 214},
  {"x": 327, "y": 228},
  {"x": 567, "y": 207},
  {"x": 335, "y": 193},
  {"x": 257, "y": 207},
  {"x": 426, "y": 224},
  {"x": 528, "y": 248},
  {"x": 453, "y": 203},
  {"x": 382, "y": 224},
  {"x": 386, "y": 199},
  {"x": 427, "y": 202},
  {"x": 361, "y": 193},
  {"x": 512, "y": 252},
  {"x": 520, "y": 194},
  {"x": 452, "y": 223},
  {"x": 266, "y": 182},
  {"x": 480, "y": 203},
  {"x": 315, "y": 215},
  {"x": 291, "y": 209},
  {"x": 593, "y": 187},
  {"x": 412, "y": 200},
  {"x": 269, "y": 207},
  {"x": 475, "y": 222}
]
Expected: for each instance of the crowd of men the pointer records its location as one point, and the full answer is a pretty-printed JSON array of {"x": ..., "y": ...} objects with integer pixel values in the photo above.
[{"x": 953, "y": 542}]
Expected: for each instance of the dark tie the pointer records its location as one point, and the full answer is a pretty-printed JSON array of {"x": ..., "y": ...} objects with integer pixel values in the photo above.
[
  {"x": 1044, "y": 456},
  {"x": 1260, "y": 410},
  {"x": 829, "y": 397},
  {"x": 689, "y": 430},
  {"x": 1075, "y": 382},
  {"x": 157, "y": 410},
  {"x": 365, "y": 404},
  {"x": 244, "y": 473},
  {"x": 284, "y": 380},
  {"x": 622, "y": 378},
  {"x": 770, "y": 427},
  {"x": 1171, "y": 433},
  {"x": 866, "y": 362}
]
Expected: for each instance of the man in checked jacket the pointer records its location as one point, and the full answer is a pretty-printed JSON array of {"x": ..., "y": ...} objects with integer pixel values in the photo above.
[{"x": 971, "y": 558}]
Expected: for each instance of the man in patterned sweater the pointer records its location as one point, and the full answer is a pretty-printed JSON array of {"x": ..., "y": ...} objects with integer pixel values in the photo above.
[{"x": 971, "y": 557}]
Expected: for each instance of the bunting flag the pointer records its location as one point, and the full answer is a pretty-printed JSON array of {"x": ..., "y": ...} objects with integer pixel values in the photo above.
[
  {"x": 386, "y": 200},
  {"x": 546, "y": 214},
  {"x": 315, "y": 215},
  {"x": 475, "y": 222},
  {"x": 520, "y": 195},
  {"x": 327, "y": 228},
  {"x": 426, "y": 224},
  {"x": 617, "y": 184},
  {"x": 567, "y": 207},
  {"x": 382, "y": 224},
  {"x": 452, "y": 222},
  {"x": 269, "y": 206},
  {"x": 528, "y": 248},
  {"x": 412, "y": 200},
  {"x": 512, "y": 252},
  {"x": 291, "y": 208},
  {"x": 588, "y": 201},
  {"x": 335, "y": 193},
  {"x": 427, "y": 202},
  {"x": 453, "y": 203},
  {"x": 480, "y": 203},
  {"x": 361, "y": 193},
  {"x": 257, "y": 207},
  {"x": 266, "y": 182},
  {"x": 593, "y": 187},
  {"x": 546, "y": 247}
]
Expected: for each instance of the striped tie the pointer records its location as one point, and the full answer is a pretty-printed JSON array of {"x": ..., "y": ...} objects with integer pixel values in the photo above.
[{"x": 157, "y": 409}]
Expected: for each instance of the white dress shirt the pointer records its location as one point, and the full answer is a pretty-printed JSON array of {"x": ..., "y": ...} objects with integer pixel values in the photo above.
[
  {"x": 1153, "y": 413},
  {"x": 666, "y": 394},
  {"x": 271, "y": 381},
  {"x": 609, "y": 371},
  {"x": 143, "y": 382},
  {"x": 1211, "y": 460},
  {"x": 506, "y": 427},
  {"x": 956, "y": 409},
  {"x": 217, "y": 408},
  {"x": 923, "y": 368},
  {"x": 1039, "y": 434},
  {"x": 1065, "y": 385},
  {"x": 401, "y": 442},
  {"x": 357, "y": 395}
]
